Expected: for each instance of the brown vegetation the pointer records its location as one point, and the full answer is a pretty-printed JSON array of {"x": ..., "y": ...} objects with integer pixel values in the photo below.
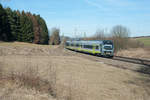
[
  {"x": 50, "y": 73},
  {"x": 36, "y": 29},
  {"x": 55, "y": 38},
  {"x": 135, "y": 53}
]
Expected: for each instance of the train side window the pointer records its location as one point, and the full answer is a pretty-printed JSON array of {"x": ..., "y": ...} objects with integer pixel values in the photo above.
[
  {"x": 77, "y": 45},
  {"x": 97, "y": 47},
  {"x": 84, "y": 46},
  {"x": 88, "y": 46}
]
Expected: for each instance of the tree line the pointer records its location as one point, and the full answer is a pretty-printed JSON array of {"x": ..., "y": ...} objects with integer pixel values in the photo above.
[
  {"x": 22, "y": 26},
  {"x": 120, "y": 35}
]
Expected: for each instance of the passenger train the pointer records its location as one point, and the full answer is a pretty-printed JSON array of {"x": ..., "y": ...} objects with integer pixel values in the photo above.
[{"x": 95, "y": 47}]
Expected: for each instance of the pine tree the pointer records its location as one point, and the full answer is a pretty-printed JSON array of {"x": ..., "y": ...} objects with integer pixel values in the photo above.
[
  {"x": 5, "y": 32},
  {"x": 27, "y": 34},
  {"x": 36, "y": 29},
  {"x": 13, "y": 20},
  {"x": 24, "y": 27},
  {"x": 44, "y": 37},
  {"x": 17, "y": 25}
]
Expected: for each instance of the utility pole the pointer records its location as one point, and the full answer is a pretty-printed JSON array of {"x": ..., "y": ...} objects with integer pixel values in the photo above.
[
  {"x": 75, "y": 33},
  {"x": 84, "y": 35},
  {"x": 62, "y": 38}
]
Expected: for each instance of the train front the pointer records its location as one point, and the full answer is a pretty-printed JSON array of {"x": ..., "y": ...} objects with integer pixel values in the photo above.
[{"x": 108, "y": 48}]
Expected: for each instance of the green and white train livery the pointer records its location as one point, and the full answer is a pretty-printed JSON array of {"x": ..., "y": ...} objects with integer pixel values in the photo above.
[{"x": 98, "y": 47}]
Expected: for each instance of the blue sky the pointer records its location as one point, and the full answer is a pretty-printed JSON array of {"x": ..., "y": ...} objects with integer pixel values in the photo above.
[{"x": 89, "y": 15}]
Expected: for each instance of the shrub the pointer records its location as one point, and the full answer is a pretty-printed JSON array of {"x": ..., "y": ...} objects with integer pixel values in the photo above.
[{"x": 55, "y": 38}]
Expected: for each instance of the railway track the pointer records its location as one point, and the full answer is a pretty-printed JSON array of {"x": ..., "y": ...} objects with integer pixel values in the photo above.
[
  {"x": 126, "y": 63},
  {"x": 116, "y": 60},
  {"x": 133, "y": 60}
]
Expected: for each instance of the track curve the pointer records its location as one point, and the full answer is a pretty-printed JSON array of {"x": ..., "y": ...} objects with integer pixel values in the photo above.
[{"x": 133, "y": 60}]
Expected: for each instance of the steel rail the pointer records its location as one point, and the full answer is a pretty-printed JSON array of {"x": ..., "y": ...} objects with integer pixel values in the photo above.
[{"x": 133, "y": 60}]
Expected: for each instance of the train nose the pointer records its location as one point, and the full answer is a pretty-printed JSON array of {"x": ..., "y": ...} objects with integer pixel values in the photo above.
[{"x": 107, "y": 52}]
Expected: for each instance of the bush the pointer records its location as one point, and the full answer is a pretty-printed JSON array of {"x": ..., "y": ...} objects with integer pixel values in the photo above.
[
  {"x": 134, "y": 44},
  {"x": 55, "y": 38}
]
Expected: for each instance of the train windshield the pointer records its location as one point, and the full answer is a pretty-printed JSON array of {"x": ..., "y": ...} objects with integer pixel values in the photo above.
[
  {"x": 108, "y": 47},
  {"x": 107, "y": 42}
]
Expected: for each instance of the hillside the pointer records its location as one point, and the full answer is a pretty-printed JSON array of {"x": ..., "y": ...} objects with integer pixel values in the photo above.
[
  {"x": 145, "y": 40},
  {"x": 52, "y": 73}
]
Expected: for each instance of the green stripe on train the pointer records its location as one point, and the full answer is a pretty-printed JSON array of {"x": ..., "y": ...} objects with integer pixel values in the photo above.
[{"x": 93, "y": 51}]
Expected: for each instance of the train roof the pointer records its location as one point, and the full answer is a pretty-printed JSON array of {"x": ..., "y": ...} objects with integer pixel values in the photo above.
[{"x": 91, "y": 41}]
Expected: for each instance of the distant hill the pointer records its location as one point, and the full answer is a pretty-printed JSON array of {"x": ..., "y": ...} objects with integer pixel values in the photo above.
[{"x": 144, "y": 39}]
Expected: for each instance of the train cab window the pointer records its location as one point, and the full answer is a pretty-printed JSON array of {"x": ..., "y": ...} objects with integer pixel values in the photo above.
[{"x": 67, "y": 44}]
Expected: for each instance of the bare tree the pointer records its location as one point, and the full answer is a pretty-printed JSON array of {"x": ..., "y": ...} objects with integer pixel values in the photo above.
[
  {"x": 120, "y": 31},
  {"x": 100, "y": 34},
  {"x": 120, "y": 36},
  {"x": 55, "y": 37}
]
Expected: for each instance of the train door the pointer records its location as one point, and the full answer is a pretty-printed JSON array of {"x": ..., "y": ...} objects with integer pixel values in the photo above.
[
  {"x": 101, "y": 50},
  {"x": 94, "y": 47}
]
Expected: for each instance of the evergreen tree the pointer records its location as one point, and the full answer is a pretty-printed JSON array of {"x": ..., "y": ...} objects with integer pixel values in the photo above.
[
  {"x": 44, "y": 37},
  {"x": 5, "y": 32},
  {"x": 27, "y": 34},
  {"x": 14, "y": 22},
  {"x": 36, "y": 29},
  {"x": 24, "y": 27},
  {"x": 17, "y": 25}
]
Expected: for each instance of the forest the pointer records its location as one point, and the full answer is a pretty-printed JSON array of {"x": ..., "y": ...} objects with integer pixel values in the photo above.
[{"x": 22, "y": 26}]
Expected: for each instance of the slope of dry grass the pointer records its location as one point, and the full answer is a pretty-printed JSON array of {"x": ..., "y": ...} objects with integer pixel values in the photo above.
[
  {"x": 71, "y": 77},
  {"x": 143, "y": 53}
]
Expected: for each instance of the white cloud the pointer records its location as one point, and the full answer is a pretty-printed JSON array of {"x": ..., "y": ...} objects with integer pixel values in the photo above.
[
  {"x": 93, "y": 4},
  {"x": 109, "y": 5},
  {"x": 98, "y": 4}
]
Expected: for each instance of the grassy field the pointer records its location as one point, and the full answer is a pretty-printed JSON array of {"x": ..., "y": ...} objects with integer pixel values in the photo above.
[
  {"x": 35, "y": 72},
  {"x": 144, "y": 40}
]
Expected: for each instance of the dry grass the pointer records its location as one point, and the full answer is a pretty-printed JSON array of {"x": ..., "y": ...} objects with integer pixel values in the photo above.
[
  {"x": 144, "y": 40},
  {"x": 143, "y": 53},
  {"x": 60, "y": 75},
  {"x": 27, "y": 78}
]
